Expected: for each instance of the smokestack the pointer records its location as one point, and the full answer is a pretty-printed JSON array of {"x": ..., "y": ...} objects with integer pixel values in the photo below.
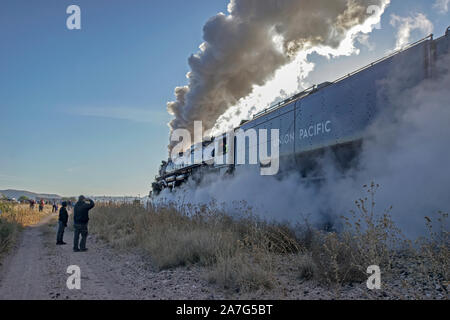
[{"x": 246, "y": 47}]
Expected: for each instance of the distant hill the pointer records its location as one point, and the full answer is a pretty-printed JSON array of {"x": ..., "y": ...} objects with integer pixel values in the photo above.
[{"x": 31, "y": 195}]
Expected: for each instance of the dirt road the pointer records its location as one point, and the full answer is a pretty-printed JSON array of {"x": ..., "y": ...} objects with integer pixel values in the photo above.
[
  {"x": 24, "y": 275},
  {"x": 37, "y": 269}
]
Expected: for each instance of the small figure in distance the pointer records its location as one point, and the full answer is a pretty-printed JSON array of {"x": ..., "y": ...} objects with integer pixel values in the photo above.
[{"x": 41, "y": 205}]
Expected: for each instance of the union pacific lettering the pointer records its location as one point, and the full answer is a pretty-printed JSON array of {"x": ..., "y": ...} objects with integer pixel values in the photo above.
[
  {"x": 305, "y": 133},
  {"x": 315, "y": 130}
]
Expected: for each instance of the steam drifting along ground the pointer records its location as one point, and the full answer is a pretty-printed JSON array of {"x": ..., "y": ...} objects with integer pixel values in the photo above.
[{"x": 244, "y": 50}]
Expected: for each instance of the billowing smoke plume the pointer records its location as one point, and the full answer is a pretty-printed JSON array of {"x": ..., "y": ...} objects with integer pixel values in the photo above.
[
  {"x": 246, "y": 47},
  {"x": 407, "y": 153}
]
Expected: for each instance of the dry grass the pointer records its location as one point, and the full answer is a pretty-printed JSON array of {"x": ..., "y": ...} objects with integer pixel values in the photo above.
[
  {"x": 13, "y": 218},
  {"x": 243, "y": 253},
  {"x": 434, "y": 252},
  {"x": 368, "y": 238},
  {"x": 238, "y": 252},
  {"x": 8, "y": 233},
  {"x": 23, "y": 215},
  {"x": 306, "y": 267}
]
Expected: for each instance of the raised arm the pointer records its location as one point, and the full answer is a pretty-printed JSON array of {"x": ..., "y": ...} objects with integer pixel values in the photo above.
[{"x": 89, "y": 205}]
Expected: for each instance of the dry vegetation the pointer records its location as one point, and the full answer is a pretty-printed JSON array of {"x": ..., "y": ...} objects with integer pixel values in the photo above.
[
  {"x": 13, "y": 218},
  {"x": 244, "y": 254}
]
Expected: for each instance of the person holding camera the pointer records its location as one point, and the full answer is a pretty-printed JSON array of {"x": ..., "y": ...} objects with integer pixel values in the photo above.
[{"x": 81, "y": 219}]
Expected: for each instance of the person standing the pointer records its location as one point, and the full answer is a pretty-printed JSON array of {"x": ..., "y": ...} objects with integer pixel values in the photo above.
[
  {"x": 62, "y": 223},
  {"x": 41, "y": 205},
  {"x": 80, "y": 220}
]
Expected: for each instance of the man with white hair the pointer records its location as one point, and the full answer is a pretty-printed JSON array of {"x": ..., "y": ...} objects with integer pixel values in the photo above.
[{"x": 80, "y": 225}]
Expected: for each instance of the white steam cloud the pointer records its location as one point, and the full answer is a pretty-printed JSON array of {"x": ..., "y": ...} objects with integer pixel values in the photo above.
[
  {"x": 407, "y": 154},
  {"x": 243, "y": 51},
  {"x": 408, "y": 24},
  {"x": 441, "y": 6}
]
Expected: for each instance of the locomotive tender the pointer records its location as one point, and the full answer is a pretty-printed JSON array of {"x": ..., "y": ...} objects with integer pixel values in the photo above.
[{"x": 332, "y": 116}]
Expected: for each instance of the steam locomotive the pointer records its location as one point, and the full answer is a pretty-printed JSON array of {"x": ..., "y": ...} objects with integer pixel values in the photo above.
[{"x": 330, "y": 117}]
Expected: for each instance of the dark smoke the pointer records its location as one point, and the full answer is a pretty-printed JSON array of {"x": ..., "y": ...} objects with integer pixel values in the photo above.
[{"x": 240, "y": 51}]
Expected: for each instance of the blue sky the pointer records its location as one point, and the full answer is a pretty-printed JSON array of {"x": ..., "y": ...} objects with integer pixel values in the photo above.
[{"x": 84, "y": 111}]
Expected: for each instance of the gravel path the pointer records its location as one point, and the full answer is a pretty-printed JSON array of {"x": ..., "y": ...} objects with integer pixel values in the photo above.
[
  {"x": 23, "y": 274},
  {"x": 37, "y": 269}
]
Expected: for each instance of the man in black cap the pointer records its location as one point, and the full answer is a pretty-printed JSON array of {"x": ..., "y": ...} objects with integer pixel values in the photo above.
[{"x": 81, "y": 219}]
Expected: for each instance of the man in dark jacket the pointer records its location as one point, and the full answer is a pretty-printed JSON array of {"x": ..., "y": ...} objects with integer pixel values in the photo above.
[
  {"x": 80, "y": 222},
  {"x": 62, "y": 222}
]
